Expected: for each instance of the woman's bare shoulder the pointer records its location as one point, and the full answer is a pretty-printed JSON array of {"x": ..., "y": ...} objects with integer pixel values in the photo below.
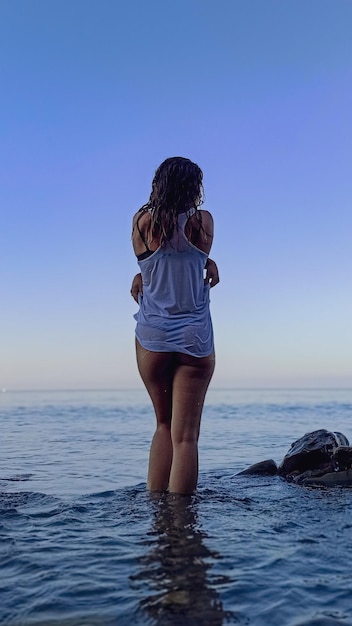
[
  {"x": 203, "y": 216},
  {"x": 200, "y": 230},
  {"x": 207, "y": 221},
  {"x": 142, "y": 216},
  {"x": 206, "y": 216}
]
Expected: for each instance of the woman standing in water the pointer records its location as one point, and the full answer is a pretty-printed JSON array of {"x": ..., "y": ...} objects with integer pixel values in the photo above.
[{"x": 172, "y": 239}]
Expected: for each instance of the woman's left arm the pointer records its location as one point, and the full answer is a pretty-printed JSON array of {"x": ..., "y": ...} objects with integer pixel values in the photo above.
[
  {"x": 211, "y": 273},
  {"x": 137, "y": 287}
]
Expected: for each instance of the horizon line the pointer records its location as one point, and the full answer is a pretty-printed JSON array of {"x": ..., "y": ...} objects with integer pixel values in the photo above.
[{"x": 221, "y": 388}]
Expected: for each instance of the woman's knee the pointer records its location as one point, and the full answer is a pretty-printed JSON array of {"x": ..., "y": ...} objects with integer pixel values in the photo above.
[
  {"x": 164, "y": 426},
  {"x": 189, "y": 436}
]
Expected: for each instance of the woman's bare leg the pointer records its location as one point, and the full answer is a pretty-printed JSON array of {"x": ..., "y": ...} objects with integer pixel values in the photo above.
[
  {"x": 157, "y": 371},
  {"x": 190, "y": 383}
]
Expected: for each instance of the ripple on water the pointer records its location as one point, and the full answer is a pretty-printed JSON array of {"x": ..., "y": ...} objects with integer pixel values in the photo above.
[{"x": 80, "y": 547}]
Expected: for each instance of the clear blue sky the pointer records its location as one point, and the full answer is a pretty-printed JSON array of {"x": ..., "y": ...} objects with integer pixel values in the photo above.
[{"x": 95, "y": 94}]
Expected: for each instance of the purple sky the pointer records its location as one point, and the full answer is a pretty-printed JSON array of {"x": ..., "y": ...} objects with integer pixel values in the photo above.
[{"x": 94, "y": 95}]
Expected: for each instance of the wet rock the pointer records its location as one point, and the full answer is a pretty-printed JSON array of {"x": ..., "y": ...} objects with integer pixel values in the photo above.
[
  {"x": 312, "y": 451},
  {"x": 263, "y": 468},
  {"x": 331, "y": 479},
  {"x": 321, "y": 457},
  {"x": 343, "y": 457}
]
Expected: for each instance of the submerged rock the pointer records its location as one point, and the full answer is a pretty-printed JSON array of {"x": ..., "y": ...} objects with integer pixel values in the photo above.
[{"x": 320, "y": 457}]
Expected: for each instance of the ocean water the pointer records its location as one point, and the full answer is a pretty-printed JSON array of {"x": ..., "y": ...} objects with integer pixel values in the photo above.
[{"x": 83, "y": 543}]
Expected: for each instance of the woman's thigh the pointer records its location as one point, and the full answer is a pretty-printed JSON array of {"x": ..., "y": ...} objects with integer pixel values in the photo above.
[
  {"x": 190, "y": 383},
  {"x": 157, "y": 372}
]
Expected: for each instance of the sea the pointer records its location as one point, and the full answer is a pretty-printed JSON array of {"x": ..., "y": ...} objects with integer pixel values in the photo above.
[{"x": 82, "y": 543}]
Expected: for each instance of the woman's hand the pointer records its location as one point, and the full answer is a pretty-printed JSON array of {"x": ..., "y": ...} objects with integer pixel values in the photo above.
[
  {"x": 137, "y": 287},
  {"x": 211, "y": 273}
]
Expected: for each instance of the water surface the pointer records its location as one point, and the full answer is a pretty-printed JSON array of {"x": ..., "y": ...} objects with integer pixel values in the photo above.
[{"x": 82, "y": 542}]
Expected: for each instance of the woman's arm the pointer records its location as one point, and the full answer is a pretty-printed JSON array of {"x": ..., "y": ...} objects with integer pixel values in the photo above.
[
  {"x": 137, "y": 287},
  {"x": 211, "y": 273}
]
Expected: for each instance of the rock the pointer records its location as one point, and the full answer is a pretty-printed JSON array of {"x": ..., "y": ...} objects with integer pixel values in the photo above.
[
  {"x": 321, "y": 457},
  {"x": 264, "y": 468},
  {"x": 312, "y": 451},
  {"x": 331, "y": 479}
]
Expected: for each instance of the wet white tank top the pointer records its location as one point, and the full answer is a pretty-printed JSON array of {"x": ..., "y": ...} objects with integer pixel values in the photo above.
[{"x": 174, "y": 313}]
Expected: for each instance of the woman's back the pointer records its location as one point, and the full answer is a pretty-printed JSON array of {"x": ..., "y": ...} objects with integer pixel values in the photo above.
[
  {"x": 173, "y": 281},
  {"x": 174, "y": 310}
]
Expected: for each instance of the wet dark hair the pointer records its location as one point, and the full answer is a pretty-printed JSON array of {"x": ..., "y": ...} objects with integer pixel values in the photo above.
[{"x": 176, "y": 187}]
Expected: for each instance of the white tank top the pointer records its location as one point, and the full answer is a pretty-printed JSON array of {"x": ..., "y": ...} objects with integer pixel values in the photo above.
[{"x": 174, "y": 314}]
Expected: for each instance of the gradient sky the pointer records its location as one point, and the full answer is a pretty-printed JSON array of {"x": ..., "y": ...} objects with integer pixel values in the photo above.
[{"x": 95, "y": 94}]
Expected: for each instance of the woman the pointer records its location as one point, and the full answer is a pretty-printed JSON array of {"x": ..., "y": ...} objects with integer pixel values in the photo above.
[{"x": 172, "y": 239}]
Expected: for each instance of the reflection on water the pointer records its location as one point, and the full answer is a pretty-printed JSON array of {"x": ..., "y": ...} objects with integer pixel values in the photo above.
[
  {"x": 76, "y": 521},
  {"x": 177, "y": 568}
]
